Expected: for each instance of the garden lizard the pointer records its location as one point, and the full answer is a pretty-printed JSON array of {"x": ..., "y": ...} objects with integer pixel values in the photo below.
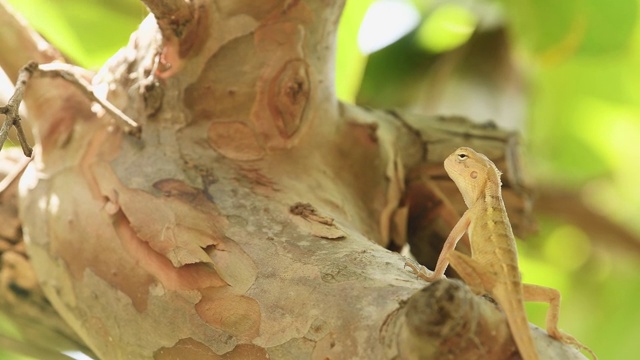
[{"x": 493, "y": 266}]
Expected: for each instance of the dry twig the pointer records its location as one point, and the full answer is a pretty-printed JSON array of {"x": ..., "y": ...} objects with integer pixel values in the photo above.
[
  {"x": 11, "y": 112},
  {"x": 73, "y": 74}
]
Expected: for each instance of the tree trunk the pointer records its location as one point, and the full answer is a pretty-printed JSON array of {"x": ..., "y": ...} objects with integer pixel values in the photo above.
[{"x": 251, "y": 217}]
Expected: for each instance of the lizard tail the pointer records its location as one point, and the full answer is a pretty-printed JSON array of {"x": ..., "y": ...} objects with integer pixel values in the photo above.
[{"x": 513, "y": 307}]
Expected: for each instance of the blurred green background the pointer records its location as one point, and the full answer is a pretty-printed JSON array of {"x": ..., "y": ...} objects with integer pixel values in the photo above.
[{"x": 563, "y": 73}]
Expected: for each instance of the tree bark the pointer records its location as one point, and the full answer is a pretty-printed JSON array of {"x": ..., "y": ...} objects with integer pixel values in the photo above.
[{"x": 252, "y": 216}]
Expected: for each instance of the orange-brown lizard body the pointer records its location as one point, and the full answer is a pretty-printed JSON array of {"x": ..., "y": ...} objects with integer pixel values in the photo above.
[{"x": 493, "y": 265}]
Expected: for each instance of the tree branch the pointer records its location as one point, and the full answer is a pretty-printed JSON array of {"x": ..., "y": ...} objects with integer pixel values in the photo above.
[
  {"x": 74, "y": 75},
  {"x": 168, "y": 9},
  {"x": 11, "y": 110},
  {"x": 446, "y": 320},
  {"x": 21, "y": 298},
  {"x": 569, "y": 206},
  {"x": 196, "y": 223}
]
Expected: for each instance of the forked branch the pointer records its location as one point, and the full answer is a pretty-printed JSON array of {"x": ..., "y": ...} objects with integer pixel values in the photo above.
[
  {"x": 74, "y": 75},
  {"x": 11, "y": 110}
]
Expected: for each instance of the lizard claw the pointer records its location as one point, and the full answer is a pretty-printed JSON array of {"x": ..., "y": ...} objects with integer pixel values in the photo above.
[
  {"x": 570, "y": 340},
  {"x": 419, "y": 270}
]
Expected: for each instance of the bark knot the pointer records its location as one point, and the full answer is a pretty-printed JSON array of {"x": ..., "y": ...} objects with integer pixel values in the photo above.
[{"x": 289, "y": 92}]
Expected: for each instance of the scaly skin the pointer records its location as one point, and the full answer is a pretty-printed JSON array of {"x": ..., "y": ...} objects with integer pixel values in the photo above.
[
  {"x": 493, "y": 267},
  {"x": 494, "y": 251}
]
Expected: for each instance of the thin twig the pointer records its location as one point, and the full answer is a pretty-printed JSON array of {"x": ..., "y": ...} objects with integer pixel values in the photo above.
[
  {"x": 22, "y": 137},
  {"x": 11, "y": 110},
  {"x": 73, "y": 74}
]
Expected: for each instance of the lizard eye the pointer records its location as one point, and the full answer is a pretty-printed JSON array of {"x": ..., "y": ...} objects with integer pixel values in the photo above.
[{"x": 462, "y": 156}]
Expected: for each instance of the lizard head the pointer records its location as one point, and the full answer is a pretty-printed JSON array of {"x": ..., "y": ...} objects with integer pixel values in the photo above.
[{"x": 472, "y": 172}]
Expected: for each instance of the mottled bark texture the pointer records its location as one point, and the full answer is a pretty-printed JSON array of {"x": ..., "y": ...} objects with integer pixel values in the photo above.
[{"x": 252, "y": 217}]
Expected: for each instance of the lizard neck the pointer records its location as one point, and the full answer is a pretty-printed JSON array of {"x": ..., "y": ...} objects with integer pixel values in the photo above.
[
  {"x": 493, "y": 208},
  {"x": 493, "y": 190},
  {"x": 491, "y": 235},
  {"x": 492, "y": 193}
]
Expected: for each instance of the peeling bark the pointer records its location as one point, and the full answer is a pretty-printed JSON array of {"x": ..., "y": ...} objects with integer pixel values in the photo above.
[
  {"x": 252, "y": 216},
  {"x": 21, "y": 297}
]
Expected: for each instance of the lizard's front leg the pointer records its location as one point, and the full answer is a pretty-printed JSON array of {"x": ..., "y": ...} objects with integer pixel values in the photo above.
[{"x": 449, "y": 245}]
